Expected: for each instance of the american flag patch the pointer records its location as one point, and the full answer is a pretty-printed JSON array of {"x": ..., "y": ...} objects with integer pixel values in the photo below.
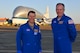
[{"x": 70, "y": 22}]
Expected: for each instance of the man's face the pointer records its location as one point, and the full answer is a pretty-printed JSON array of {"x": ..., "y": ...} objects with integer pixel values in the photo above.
[
  {"x": 59, "y": 10},
  {"x": 32, "y": 17}
]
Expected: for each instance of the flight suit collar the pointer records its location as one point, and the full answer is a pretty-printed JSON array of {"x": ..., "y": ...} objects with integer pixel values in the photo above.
[
  {"x": 61, "y": 17},
  {"x": 30, "y": 26},
  {"x": 61, "y": 20},
  {"x": 34, "y": 30}
]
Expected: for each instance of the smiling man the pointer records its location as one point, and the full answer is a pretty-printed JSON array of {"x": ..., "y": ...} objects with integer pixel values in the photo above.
[
  {"x": 64, "y": 31},
  {"x": 28, "y": 37}
]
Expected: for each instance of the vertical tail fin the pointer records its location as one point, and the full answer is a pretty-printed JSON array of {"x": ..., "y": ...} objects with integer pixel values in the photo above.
[{"x": 47, "y": 12}]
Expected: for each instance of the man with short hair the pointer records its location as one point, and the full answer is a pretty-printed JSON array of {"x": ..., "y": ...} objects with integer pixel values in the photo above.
[
  {"x": 64, "y": 31},
  {"x": 28, "y": 36}
]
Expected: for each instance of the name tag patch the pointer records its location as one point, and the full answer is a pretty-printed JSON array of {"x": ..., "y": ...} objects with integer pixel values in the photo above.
[
  {"x": 27, "y": 29},
  {"x": 60, "y": 22}
]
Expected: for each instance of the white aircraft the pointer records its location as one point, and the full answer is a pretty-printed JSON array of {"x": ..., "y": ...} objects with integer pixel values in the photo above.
[{"x": 20, "y": 16}]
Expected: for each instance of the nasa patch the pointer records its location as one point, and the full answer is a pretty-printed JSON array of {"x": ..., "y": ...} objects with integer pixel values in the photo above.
[
  {"x": 35, "y": 33},
  {"x": 54, "y": 21}
]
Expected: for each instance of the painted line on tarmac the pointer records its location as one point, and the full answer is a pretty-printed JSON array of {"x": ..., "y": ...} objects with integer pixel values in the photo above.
[
  {"x": 44, "y": 51},
  {"x": 8, "y": 30},
  {"x": 47, "y": 36}
]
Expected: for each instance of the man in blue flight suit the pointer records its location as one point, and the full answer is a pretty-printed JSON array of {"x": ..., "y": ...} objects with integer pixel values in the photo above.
[
  {"x": 64, "y": 31},
  {"x": 28, "y": 37}
]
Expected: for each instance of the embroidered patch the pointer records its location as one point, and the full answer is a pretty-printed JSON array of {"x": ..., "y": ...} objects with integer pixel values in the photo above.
[
  {"x": 60, "y": 22},
  {"x": 54, "y": 21},
  {"x": 27, "y": 29},
  {"x": 35, "y": 31},
  {"x": 70, "y": 22}
]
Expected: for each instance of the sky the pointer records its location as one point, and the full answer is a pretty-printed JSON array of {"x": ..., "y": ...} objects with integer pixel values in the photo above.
[{"x": 72, "y": 7}]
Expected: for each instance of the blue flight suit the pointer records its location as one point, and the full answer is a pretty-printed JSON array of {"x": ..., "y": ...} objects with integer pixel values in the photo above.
[
  {"x": 28, "y": 40},
  {"x": 64, "y": 34}
]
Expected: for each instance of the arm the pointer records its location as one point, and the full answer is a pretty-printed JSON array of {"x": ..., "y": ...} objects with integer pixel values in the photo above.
[
  {"x": 40, "y": 49},
  {"x": 18, "y": 40},
  {"x": 52, "y": 26},
  {"x": 72, "y": 30}
]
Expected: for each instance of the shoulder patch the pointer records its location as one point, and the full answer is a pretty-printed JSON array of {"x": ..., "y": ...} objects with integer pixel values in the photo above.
[{"x": 70, "y": 22}]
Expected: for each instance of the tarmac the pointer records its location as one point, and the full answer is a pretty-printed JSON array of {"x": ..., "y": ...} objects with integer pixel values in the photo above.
[{"x": 8, "y": 42}]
